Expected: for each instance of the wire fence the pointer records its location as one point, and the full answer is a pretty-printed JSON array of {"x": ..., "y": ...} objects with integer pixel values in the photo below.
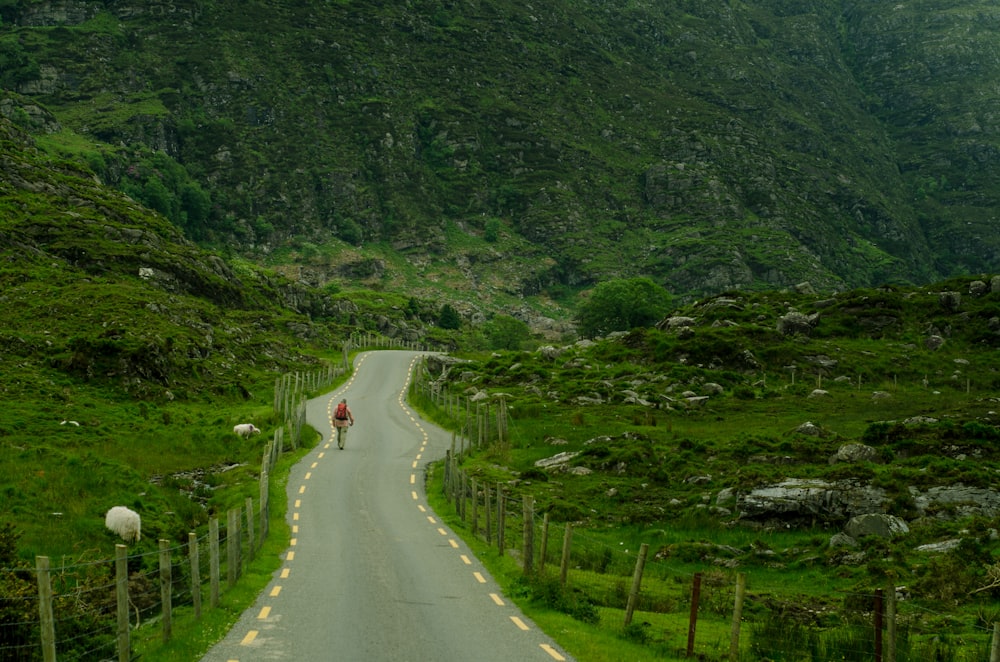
[
  {"x": 712, "y": 613},
  {"x": 82, "y": 611}
]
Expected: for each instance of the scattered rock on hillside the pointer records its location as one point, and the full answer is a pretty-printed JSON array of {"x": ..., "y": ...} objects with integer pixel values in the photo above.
[
  {"x": 796, "y": 323},
  {"x": 876, "y": 524},
  {"x": 558, "y": 462},
  {"x": 855, "y": 453},
  {"x": 939, "y": 547}
]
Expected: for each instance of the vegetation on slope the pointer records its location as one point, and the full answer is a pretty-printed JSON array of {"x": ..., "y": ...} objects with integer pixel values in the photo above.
[
  {"x": 707, "y": 145},
  {"x": 909, "y": 373}
]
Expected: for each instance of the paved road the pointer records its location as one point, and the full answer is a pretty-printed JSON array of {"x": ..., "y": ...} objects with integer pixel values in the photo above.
[{"x": 371, "y": 573}]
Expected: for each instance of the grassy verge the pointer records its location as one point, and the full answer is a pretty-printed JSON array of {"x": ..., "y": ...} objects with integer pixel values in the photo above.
[{"x": 192, "y": 638}]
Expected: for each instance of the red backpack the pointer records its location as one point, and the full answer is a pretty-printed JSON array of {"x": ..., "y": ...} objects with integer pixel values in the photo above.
[{"x": 341, "y": 413}]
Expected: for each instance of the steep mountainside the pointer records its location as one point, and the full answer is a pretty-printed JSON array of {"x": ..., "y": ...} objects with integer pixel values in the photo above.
[{"x": 709, "y": 144}]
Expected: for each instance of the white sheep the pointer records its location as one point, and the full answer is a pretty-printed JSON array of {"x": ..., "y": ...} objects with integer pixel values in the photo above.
[
  {"x": 126, "y": 523},
  {"x": 246, "y": 429}
]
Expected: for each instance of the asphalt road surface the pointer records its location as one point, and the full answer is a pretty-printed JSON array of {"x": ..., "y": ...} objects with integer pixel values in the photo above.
[{"x": 371, "y": 572}]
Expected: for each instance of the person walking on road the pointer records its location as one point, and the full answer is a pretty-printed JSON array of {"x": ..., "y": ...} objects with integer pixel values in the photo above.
[{"x": 342, "y": 419}]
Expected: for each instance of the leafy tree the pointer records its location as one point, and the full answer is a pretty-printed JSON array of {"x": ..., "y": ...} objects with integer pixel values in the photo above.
[
  {"x": 449, "y": 319},
  {"x": 491, "y": 233},
  {"x": 506, "y": 332},
  {"x": 622, "y": 305}
]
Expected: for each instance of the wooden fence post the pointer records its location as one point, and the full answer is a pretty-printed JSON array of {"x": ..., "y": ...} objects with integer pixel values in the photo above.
[
  {"x": 264, "y": 528},
  {"x": 213, "y": 553},
  {"x": 877, "y": 616},
  {"x": 528, "y": 536},
  {"x": 475, "y": 506},
  {"x": 463, "y": 489},
  {"x": 564, "y": 563},
  {"x": 693, "y": 620},
  {"x": 501, "y": 519},
  {"x": 233, "y": 546},
  {"x": 250, "y": 539},
  {"x": 165, "y": 589},
  {"x": 734, "y": 635},
  {"x": 890, "y": 624},
  {"x": 195, "y": 574},
  {"x": 995, "y": 644},
  {"x": 545, "y": 543},
  {"x": 488, "y": 510},
  {"x": 121, "y": 592},
  {"x": 48, "y": 625},
  {"x": 633, "y": 595}
]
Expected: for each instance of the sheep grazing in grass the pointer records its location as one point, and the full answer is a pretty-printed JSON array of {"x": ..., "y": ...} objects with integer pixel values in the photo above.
[
  {"x": 246, "y": 429},
  {"x": 126, "y": 523}
]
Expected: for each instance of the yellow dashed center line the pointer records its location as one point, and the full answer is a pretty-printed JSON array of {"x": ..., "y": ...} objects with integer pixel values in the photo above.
[
  {"x": 479, "y": 577},
  {"x": 275, "y": 591},
  {"x": 553, "y": 652},
  {"x": 497, "y": 599},
  {"x": 414, "y": 495},
  {"x": 442, "y": 532},
  {"x": 519, "y": 623},
  {"x": 421, "y": 508},
  {"x": 294, "y": 542},
  {"x": 413, "y": 479},
  {"x": 453, "y": 543},
  {"x": 285, "y": 572},
  {"x": 264, "y": 613},
  {"x": 308, "y": 475},
  {"x": 466, "y": 560},
  {"x": 302, "y": 489},
  {"x": 290, "y": 556},
  {"x": 247, "y": 640}
]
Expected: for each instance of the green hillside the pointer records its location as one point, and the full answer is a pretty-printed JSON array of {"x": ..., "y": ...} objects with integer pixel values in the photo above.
[{"x": 710, "y": 145}]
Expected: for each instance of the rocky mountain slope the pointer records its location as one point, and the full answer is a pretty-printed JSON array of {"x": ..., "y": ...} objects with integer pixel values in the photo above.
[{"x": 712, "y": 145}]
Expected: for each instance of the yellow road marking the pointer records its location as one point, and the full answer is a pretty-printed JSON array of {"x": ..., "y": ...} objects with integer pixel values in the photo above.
[
  {"x": 295, "y": 517},
  {"x": 247, "y": 640},
  {"x": 298, "y": 503},
  {"x": 419, "y": 455},
  {"x": 320, "y": 456},
  {"x": 413, "y": 479},
  {"x": 553, "y": 652},
  {"x": 453, "y": 543},
  {"x": 442, "y": 532},
  {"x": 414, "y": 464},
  {"x": 275, "y": 591},
  {"x": 314, "y": 464},
  {"x": 285, "y": 572},
  {"x": 465, "y": 560},
  {"x": 295, "y": 528},
  {"x": 497, "y": 599},
  {"x": 421, "y": 508},
  {"x": 519, "y": 623},
  {"x": 414, "y": 495},
  {"x": 302, "y": 489},
  {"x": 308, "y": 475},
  {"x": 294, "y": 542},
  {"x": 290, "y": 556},
  {"x": 431, "y": 520},
  {"x": 264, "y": 613},
  {"x": 479, "y": 577}
]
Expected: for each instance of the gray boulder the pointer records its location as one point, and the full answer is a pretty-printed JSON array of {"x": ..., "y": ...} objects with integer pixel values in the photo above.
[
  {"x": 796, "y": 323},
  {"x": 855, "y": 453},
  {"x": 876, "y": 524}
]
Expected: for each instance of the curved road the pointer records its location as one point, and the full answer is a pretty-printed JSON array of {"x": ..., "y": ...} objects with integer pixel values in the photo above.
[{"x": 371, "y": 573}]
